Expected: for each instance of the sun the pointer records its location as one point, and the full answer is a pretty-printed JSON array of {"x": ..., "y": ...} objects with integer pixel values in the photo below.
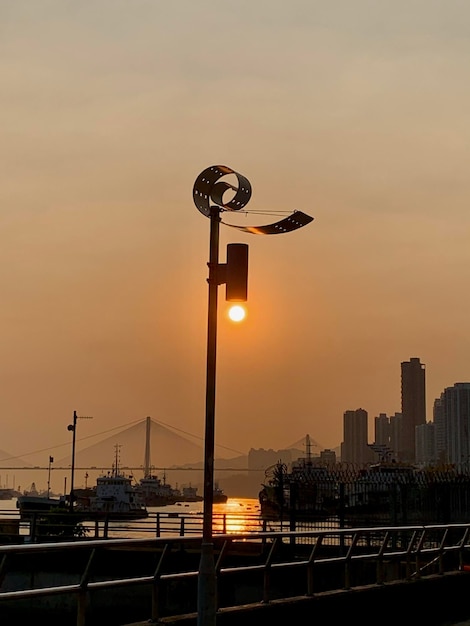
[{"x": 237, "y": 313}]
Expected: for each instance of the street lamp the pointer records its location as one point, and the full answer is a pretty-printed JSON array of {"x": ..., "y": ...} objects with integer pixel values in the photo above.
[
  {"x": 209, "y": 194},
  {"x": 73, "y": 428},
  {"x": 51, "y": 460}
]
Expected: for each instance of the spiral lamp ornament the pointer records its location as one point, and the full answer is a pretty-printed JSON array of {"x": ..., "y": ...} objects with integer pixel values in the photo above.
[{"x": 209, "y": 190}]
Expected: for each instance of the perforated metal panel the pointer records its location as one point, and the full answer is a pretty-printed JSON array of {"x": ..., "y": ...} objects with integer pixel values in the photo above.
[
  {"x": 286, "y": 225},
  {"x": 209, "y": 190}
]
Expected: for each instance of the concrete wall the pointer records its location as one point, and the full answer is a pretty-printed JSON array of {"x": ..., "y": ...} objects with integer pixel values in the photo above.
[{"x": 436, "y": 600}]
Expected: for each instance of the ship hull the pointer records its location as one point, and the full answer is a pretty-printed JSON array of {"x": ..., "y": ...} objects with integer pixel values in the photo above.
[{"x": 31, "y": 505}]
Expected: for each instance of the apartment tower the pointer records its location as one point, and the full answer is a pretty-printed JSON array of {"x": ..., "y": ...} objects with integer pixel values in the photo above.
[
  {"x": 413, "y": 406},
  {"x": 354, "y": 448},
  {"x": 456, "y": 406}
]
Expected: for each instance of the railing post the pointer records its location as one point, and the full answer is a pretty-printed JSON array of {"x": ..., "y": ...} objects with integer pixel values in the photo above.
[
  {"x": 380, "y": 572},
  {"x": 441, "y": 552},
  {"x": 311, "y": 564},
  {"x": 409, "y": 549},
  {"x": 267, "y": 572},
  {"x": 182, "y": 527},
  {"x": 418, "y": 554},
  {"x": 292, "y": 527},
  {"x": 463, "y": 544},
  {"x": 347, "y": 562},
  {"x": 158, "y": 525},
  {"x": 264, "y": 529},
  {"x": 155, "y": 602},
  {"x": 82, "y": 594},
  {"x": 81, "y": 607},
  {"x": 33, "y": 527},
  {"x": 156, "y": 587},
  {"x": 218, "y": 565}
]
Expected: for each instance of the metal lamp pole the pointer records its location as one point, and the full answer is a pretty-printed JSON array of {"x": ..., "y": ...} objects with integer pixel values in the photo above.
[
  {"x": 207, "y": 579},
  {"x": 209, "y": 437},
  {"x": 51, "y": 460},
  {"x": 208, "y": 195},
  {"x": 73, "y": 428}
]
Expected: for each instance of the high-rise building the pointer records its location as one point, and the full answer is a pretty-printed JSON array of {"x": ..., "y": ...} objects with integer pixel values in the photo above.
[
  {"x": 382, "y": 430},
  {"x": 413, "y": 405},
  {"x": 355, "y": 448},
  {"x": 328, "y": 457},
  {"x": 396, "y": 434},
  {"x": 456, "y": 415},
  {"x": 440, "y": 435},
  {"x": 426, "y": 444},
  {"x": 385, "y": 441}
]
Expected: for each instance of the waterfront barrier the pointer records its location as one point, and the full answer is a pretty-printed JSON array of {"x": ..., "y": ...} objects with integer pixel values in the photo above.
[
  {"x": 121, "y": 581},
  {"x": 43, "y": 526}
]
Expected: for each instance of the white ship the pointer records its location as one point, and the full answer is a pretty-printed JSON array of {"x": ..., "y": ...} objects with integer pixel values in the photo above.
[{"x": 115, "y": 496}]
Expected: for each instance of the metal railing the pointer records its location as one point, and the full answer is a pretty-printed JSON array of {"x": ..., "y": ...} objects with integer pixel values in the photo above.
[
  {"x": 76, "y": 580},
  {"x": 40, "y": 525}
]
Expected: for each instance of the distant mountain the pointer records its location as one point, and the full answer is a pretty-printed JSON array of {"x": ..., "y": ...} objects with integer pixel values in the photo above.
[
  {"x": 167, "y": 449},
  {"x": 8, "y": 460}
]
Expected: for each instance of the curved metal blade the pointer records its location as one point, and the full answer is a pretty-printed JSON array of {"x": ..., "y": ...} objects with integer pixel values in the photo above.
[
  {"x": 294, "y": 221},
  {"x": 207, "y": 189}
]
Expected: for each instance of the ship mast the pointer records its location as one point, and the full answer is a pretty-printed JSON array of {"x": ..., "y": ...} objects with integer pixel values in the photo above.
[{"x": 116, "y": 459}]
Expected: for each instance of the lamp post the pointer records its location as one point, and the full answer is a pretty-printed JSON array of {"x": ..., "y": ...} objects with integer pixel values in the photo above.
[
  {"x": 208, "y": 196},
  {"x": 73, "y": 428},
  {"x": 51, "y": 460}
]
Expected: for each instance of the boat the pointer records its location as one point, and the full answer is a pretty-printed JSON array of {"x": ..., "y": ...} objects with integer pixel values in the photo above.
[
  {"x": 219, "y": 496},
  {"x": 156, "y": 492},
  {"x": 114, "y": 497},
  {"x": 308, "y": 489},
  {"x": 31, "y": 503},
  {"x": 189, "y": 494},
  {"x": 380, "y": 489},
  {"x": 6, "y": 493}
]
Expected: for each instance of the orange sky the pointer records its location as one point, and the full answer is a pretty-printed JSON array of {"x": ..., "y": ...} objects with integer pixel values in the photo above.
[{"x": 357, "y": 113}]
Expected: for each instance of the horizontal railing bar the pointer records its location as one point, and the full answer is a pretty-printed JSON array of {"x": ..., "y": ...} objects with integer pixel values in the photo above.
[{"x": 360, "y": 545}]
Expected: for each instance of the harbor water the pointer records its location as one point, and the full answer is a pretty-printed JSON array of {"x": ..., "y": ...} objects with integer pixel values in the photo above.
[{"x": 237, "y": 515}]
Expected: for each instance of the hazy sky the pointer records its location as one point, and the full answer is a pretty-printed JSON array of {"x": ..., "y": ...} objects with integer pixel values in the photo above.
[{"x": 355, "y": 111}]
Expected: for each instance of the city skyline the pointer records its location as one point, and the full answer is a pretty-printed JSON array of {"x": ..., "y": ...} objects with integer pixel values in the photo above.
[
  {"x": 355, "y": 113},
  {"x": 442, "y": 440},
  {"x": 224, "y": 452}
]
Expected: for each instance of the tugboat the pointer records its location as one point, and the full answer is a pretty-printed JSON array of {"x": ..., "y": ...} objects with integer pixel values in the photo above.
[
  {"x": 189, "y": 494},
  {"x": 219, "y": 496},
  {"x": 156, "y": 492}
]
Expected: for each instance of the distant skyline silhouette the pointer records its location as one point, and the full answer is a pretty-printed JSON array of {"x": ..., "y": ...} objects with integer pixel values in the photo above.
[{"x": 168, "y": 450}]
